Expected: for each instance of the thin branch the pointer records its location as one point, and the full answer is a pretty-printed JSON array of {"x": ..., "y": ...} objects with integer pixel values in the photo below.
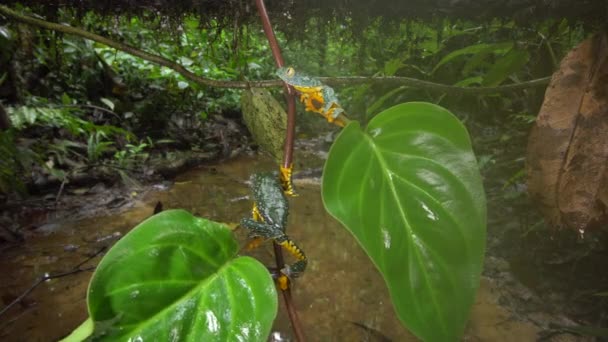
[
  {"x": 287, "y": 157},
  {"x": 435, "y": 87},
  {"x": 126, "y": 48},
  {"x": 75, "y": 269},
  {"x": 288, "y": 90},
  {"x": 333, "y": 81}
]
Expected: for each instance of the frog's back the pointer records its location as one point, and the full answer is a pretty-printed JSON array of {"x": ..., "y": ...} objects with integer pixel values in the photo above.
[{"x": 269, "y": 196}]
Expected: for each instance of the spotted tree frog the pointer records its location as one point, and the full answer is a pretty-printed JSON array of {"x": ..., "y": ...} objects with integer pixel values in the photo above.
[
  {"x": 316, "y": 96},
  {"x": 270, "y": 211}
]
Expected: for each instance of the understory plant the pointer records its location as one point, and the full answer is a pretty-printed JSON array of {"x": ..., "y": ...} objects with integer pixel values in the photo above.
[{"x": 406, "y": 186}]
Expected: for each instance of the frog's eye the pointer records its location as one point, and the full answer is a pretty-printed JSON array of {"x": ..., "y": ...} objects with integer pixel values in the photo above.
[{"x": 290, "y": 71}]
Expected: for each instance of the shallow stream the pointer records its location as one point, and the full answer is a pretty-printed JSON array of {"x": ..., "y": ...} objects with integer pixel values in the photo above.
[{"x": 341, "y": 297}]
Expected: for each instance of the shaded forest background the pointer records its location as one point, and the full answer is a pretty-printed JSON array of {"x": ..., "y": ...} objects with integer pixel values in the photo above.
[
  {"x": 99, "y": 111},
  {"x": 81, "y": 112}
]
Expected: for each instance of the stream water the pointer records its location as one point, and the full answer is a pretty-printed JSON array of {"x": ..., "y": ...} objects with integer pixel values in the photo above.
[{"x": 340, "y": 294}]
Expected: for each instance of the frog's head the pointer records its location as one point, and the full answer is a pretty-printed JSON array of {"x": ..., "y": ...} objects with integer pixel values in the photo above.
[{"x": 286, "y": 73}]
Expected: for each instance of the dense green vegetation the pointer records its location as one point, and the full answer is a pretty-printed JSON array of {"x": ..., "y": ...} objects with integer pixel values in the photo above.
[
  {"x": 79, "y": 109},
  {"x": 92, "y": 106}
]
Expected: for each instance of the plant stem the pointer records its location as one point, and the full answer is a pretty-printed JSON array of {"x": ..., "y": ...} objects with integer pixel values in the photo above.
[{"x": 287, "y": 157}]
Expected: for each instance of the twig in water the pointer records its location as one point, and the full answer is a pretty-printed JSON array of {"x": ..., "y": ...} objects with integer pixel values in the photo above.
[{"x": 75, "y": 269}]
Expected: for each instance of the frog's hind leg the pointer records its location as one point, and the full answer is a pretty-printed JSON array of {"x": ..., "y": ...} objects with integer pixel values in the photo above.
[{"x": 299, "y": 266}]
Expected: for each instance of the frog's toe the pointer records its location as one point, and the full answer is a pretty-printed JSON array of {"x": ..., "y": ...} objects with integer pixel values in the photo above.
[
  {"x": 335, "y": 114},
  {"x": 287, "y": 180},
  {"x": 254, "y": 243},
  {"x": 283, "y": 282}
]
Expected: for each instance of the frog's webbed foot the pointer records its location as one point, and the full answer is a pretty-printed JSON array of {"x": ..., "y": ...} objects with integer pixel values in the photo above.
[
  {"x": 290, "y": 272},
  {"x": 333, "y": 112},
  {"x": 286, "y": 175},
  {"x": 295, "y": 270},
  {"x": 306, "y": 101},
  {"x": 284, "y": 276}
]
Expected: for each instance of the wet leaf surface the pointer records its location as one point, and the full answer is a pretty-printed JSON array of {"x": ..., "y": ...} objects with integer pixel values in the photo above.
[
  {"x": 175, "y": 277},
  {"x": 408, "y": 188}
]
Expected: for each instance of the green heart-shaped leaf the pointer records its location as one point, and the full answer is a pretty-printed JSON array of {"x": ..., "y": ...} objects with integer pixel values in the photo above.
[
  {"x": 408, "y": 188},
  {"x": 175, "y": 277}
]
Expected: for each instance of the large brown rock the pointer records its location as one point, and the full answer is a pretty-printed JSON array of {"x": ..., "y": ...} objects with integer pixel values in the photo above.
[{"x": 567, "y": 154}]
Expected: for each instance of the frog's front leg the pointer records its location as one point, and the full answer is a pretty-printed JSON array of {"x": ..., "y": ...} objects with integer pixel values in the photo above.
[{"x": 264, "y": 230}]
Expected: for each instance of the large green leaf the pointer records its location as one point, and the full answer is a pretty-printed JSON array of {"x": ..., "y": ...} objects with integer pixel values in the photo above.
[
  {"x": 408, "y": 188},
  {"x": 175, "y": 277}
]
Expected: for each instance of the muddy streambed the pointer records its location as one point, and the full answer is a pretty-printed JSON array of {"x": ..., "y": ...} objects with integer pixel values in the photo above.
[{"x": 340, "y": 294}]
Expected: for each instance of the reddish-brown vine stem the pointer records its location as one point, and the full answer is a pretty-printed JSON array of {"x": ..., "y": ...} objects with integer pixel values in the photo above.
[{"x": 287, "y": 156}]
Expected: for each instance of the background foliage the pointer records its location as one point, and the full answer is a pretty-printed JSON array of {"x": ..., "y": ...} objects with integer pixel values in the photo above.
[
  {"x": 89, "y": 105},
  {"x": 94, "y": 105},
  {"x": 78, "y": 106}
]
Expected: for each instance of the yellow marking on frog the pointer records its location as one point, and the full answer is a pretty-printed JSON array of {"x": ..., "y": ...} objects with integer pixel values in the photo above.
[
  {"x": 255, "y": 213},
  {"x": 292, "y": 248},
  {"x": 314, "y": 102},
  {"x": 287, "y": 181},
  {"x": 316, "y": 96},
  {"x": 309, "y": 89}
]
